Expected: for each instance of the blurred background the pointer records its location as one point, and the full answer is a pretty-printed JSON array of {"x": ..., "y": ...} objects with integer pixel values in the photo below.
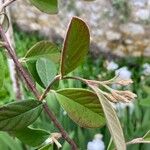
[{"x": 120, "y": 42}]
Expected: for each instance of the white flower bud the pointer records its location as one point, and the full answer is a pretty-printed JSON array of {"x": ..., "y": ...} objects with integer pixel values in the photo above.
[{"x": 97, "y": 143}]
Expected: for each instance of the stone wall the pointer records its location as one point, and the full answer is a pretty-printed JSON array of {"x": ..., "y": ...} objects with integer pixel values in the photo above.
[{"x": 122, "y": 28}]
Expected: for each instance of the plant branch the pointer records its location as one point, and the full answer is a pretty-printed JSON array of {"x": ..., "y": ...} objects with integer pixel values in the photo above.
[
  {"x": 11, "y": 53},
  {"x": 137, "y": 141},
  {"x": 12, "y": 68},
  {"x": 94, "y": 82},
  {"x": 32, "y": 87},
  {"x": 61, "y": 129},
  {"x": 4, "y": 5},
  {"x": 86, "y": 81},
  {"x": 75, "y": 78},
  {"x": 49, "y": 87}
]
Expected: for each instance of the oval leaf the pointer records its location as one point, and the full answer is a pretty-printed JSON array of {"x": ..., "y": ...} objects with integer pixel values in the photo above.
[
  {"x": 6, "y": 142},
  {"x": 82, "y": 106},
  {"x": 112, "y": 121},
  {"x": 18, "y": 115},
  {"x": 46, "y": 70},
  {"x": 2, "y": 70},
  {"x": 76, "y": 45},
  {"x": 47, "y": 6},
  {"x": 43, "y": 49},
  {"x": 47, "y": 147},
  {"x": 31, "y": 136},
  {"x": 31, "y": 66}
]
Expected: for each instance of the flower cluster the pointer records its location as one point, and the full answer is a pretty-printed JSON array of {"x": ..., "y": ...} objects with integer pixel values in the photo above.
[
  {"x": 116, "y": 96},
  {"x": 122, "y": 78}
]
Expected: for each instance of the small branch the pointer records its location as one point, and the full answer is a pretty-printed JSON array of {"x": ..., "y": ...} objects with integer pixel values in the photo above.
[
  {"x": 19, "y": 94},
  {"x": 8, "y": 2},
  {"x": 27, "y": 79},
  {"x": 49, "y": 87},
  {"x": 138, "y": 141},
  {"x": 75, "y": 78},
  {"x": 86, "y": 81},
  {"x": 61, "y": 129},
  {"x": 94, "y": 82},
  {"x": 33, "y": 89}
]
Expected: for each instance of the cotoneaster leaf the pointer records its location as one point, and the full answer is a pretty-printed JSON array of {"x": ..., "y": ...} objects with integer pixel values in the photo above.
[
  {"x": 43, "y": 49},
  {"x": 47, "y": 6},
  {"x": 8, "y": 143},
  {"x": 31, "y": 136},
  {"x": 76, "y": 45},
  {"x": 31, "y": 66},
  {"x": 82, "y": 106},
  {"x": 46, "y": 70},
  {"x": 18, "y": 115},
  {"x": 113, "y": 122},
  {"x": 47, "y": 147}
]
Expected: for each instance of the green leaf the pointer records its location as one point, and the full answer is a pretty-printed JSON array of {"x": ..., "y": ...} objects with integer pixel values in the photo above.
[
  {"x": 31, "y": 136},
  {"x": 31, "y": 66},
  {"x": 43, "y": 49},
  {"x": 112, "y": 120},
  {"x": 47, "y": 6},
  {"x": 18, "y": 115},
  {"x": 82, "y": 106},
  {"x": 46, "y": 70},
  {"x": 76, "y": 45},
  {"x": 47, "y": 147},
  {"x": 2, "y": 70},
  {"x": 8, "y": 143}
]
